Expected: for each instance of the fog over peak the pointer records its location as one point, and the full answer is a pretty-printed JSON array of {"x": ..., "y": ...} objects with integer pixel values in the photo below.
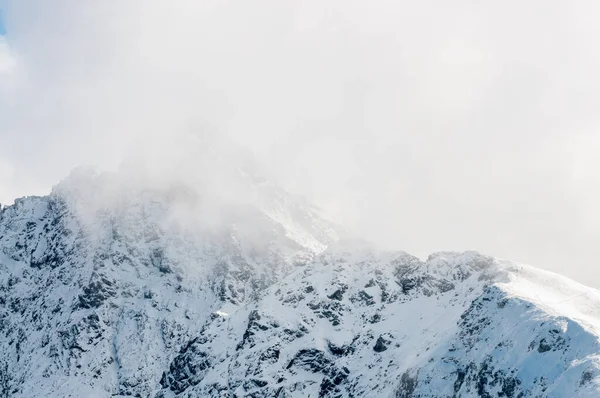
[{"x": 425, "y": 126}]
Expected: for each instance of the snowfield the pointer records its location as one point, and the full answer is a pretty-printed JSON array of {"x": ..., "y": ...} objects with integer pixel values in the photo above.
[{"x": 115, "y": 289}]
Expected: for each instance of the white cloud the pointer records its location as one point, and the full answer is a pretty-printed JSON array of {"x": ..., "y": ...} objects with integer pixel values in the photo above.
[
  {"x": 6, "y": 182},
  {"x": 425, "y": 126},
  {"x": 7, "y": 60}
]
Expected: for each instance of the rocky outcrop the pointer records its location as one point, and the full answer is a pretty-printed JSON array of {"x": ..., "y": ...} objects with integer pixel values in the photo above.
[{"x": 124, "y": 297}]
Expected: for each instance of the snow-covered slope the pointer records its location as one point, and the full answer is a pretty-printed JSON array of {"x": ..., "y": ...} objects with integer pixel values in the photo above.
[
  {"x": 120, "y": 286},
  {"x": 365, "y": 323}
]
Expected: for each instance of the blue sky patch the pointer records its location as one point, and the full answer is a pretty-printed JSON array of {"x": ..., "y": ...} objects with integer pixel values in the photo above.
[{"x": 2, "y": 29}]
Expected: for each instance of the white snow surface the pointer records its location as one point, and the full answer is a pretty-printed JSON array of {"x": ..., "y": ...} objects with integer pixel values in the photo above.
[
  {"x": 555, "y": 294},
  {"x": 110, "y": 287}
]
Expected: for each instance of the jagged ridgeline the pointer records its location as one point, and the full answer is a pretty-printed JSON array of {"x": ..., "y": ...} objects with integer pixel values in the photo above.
[{"x": 230, "y": 287}]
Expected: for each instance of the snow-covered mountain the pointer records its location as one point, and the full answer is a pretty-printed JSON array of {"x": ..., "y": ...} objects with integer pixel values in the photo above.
[{"x": 121, "y": 286}]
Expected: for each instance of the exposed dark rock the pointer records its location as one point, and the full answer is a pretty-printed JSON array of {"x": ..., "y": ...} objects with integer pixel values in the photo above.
[
  {"x": 331, "y": 384},
  {"x": 6, "y": 388},
  {"x": 487, "y": 379},
  {"x": 381, "y": 344},
  {"x": 187, "y": 368},
  {"x": 408, "y": 284},
  {"x": 460, "y": 379},
  {"x": 309, "y": 289},
  {"x": 293, "y": 299},
  {"x": 310, "y": 359},
  {"x": 96, "y": 292},
  {"x": 444, "y": 286},
  {"x": 340, "y": 351},
  {"x": 330, "y": 310},
  {"x": 586, "y": 377},
  {"x": 253, "y": 327},
  {"x": 292, "y": 334},
  {"x": 362, "y": 297},
  {"x": 369, "y": 284},
  {"x": 339, "y": 293},
  {"x": 544, "y": 346},
  {"x": 408, "y": 385},
  {"x": 271, "y": 355}
]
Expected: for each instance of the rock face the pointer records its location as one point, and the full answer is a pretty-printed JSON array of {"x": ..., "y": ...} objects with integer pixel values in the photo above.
[{"x": 109, "y": 288}]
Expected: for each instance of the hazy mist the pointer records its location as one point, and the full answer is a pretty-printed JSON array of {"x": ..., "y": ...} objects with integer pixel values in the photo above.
[{"x": 424, "y": 126}]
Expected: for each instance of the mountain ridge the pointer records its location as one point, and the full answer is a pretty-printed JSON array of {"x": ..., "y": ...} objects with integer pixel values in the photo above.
[{"x": 112, "y": 286}]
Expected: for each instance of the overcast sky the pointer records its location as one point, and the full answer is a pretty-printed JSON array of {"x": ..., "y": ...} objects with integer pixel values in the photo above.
[{"x": 424, "y": 125}]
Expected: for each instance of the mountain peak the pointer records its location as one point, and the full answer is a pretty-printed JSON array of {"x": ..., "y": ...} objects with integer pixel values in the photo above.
[
  {"x": 216, "y": 282},
  {"x": 200, "y": 180}
]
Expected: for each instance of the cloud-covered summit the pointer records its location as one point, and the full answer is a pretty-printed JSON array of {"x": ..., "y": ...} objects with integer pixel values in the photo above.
[{"x": 426, "y": 126}]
